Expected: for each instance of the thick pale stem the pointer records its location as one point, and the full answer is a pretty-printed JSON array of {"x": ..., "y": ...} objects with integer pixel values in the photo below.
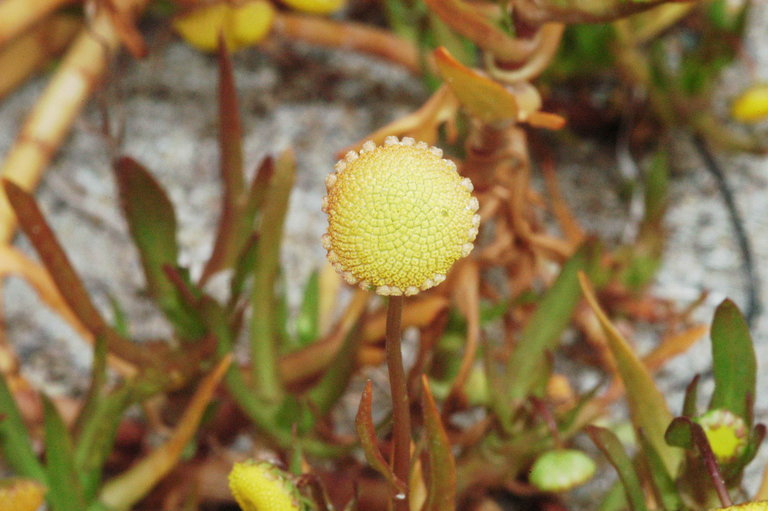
[
  {"x": 350, "y": 36},
  {"x": 401, "y": 414},
  {"x": 49, "y": 121},
  {"x": 16, "y": 16}
]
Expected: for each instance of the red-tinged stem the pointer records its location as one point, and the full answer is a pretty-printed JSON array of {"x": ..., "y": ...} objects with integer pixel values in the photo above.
[{"x": 401, "y": 415}]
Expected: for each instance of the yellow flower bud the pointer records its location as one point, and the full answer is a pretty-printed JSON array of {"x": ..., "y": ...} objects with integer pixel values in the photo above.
[
  {"x": 260, "y": 486},
  {"x": 20, "y": 495},
  {"x": 752, "y": 105},
  {"x": 726, "y": 433},
  {"x": 241, "y": 25},
  {"x": 760, "y": 505},
  {"x": 561, "y": 470},
  {"x": 316, "y": 6},
  {"x": 399, "y": 216}
]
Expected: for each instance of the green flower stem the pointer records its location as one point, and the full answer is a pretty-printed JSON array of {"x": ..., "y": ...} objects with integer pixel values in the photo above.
[{"x": 401, "y": 414}]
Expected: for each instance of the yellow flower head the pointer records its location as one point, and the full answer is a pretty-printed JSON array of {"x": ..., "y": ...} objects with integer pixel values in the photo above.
[
  {"x": 760, "y": 505},
  {"x": 726, "y": 433},
  {"x": 399, "y": 215},
  {"x": 316, "y": 6},
  {"x": 20, "y": 495},
  {"x": 260, "y": 486},
  {"x": 752, "y": 105},
  {"x": 241, "y": 25}
]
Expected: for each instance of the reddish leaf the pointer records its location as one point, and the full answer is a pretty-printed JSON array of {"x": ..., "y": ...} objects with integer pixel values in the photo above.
[
  {"x": 367, "y": 433},
  {"x": 64, "y": 276}
]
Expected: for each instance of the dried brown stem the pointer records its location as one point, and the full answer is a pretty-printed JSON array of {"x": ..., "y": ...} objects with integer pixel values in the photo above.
[
  {"x": 401, "y": 414},
  {"x": 349, "y": 36},
  {"x": 48, "y": 124},
  {"x": 32, "y": 51},
  {"x": 16, "y": 16},
  {"x": 581, "y": 11},
  {"x": 549, "y": 37}
]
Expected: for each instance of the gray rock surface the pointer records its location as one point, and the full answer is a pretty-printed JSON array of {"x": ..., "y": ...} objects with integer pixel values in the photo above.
[{"x": 318, "y": 102}]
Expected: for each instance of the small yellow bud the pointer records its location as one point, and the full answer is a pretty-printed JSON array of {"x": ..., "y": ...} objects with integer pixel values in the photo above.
[
  {"x": 399, "y": 216},
  {"x": 316, "y": 6},
  {"x": 260, "y": 486},
  {"x": 726, "y": 433},
  {"x": 752, "y": 105},
  {"x": 241, "y": 25},
  {"x": 20, "y": 495},
  {"x": 760, "y": 505}
]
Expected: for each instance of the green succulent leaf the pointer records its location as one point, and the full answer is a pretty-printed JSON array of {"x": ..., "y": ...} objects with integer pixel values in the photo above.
[
  {"x": 661, "y": 481},
  {"x": 307, "y": 320},
  {"x": 647, "y": 405},
  {"x": 152, "y": 223},
  {"x": 64, "y": 490},
  {"x": 611, "y": 447},
  {"x": 543, "y": 330},
  {"x": 734, "y": 362},
  {"x": 15, "y": 443}
]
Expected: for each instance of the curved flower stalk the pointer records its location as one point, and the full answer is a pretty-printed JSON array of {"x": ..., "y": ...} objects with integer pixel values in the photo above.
[{"x": 399, "y": 216}]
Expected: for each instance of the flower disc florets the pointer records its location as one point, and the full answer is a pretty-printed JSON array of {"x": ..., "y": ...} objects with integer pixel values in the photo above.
[{"x": 399, "y": 215}]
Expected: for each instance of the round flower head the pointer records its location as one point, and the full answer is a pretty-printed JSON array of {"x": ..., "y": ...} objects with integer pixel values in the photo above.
[
  {"x": 399, "y": 215},
  {"x": 260, "y": 486},
  {"x": 726, "y": 432}
]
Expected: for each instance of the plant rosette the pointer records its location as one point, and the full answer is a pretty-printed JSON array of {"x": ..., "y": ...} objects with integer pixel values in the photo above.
[{"x": 399, "y": 216}]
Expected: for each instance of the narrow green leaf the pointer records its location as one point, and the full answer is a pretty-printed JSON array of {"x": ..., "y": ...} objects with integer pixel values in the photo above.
[
  {"x": 64, "y": 490},
  {"x": 152, "y": 223},
  {"x": 309, "y": 313},
  {"x": 266, "y": 378},
  {"x": 690, "y": 408},
  {"x": 367, "y": 434},
  {"x": 64, "y": 276},
  {"x": 97, "y": 438},
  {"x": 244, "y": 266},
  {"x": 609, "y": 444},
  {"x": 441, "y": 467},
  {"x": 647, "y": 406},
  {"x": 335, "y": 380},
  {"x": 679, "y": 434},
  {"x": 125, "y": 490},
  {"x": 228, "y": 238},
  {"x": 656, "y": 185},
  {"x": 98, "y": 380},
  {"x": 662, "y": 483},
  {"x": 543, "y": 330},
  {"x": 15, "y": 443},
  {"x": 260, "y": 186},
  {"x": 733, "y": 359}
]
